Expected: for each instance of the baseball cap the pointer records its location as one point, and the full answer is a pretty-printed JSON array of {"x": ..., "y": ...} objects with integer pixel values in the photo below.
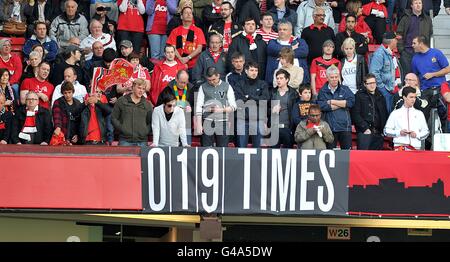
[
  {"x": 126, "y": 43},
  {"x": 389, "y": 35}
]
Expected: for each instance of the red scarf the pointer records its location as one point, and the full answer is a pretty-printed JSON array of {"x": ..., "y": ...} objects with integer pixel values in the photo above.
[
  {"x": 216, "y": 9},
  {"x": 30, "y": 122},
  {"x": 250, "y": 38},
  {"x": 310, "y": 124},
  {"x": 215, "y": 56}
]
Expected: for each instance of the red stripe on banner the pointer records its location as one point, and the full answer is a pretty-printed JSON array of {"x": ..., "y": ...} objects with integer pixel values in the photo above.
[
  {"x": 81, "y": 182},
  {"x": 414, "y": 168},
  {"x": 395, "y": 214}
]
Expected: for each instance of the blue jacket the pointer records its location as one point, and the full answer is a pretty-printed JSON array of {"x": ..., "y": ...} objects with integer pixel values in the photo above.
[
  {"x": 273, "y": 52},
  {"x": 382, "y": 66},
  {"x": 49, "y": 45},
  {"x": 338, "y": 119},
  {"x": 150, "y": 10},
  {"x": 290, "y": 16}
]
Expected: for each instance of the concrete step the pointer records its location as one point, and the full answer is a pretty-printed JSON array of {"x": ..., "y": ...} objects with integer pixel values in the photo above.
[{"x": 442, "y": 41}]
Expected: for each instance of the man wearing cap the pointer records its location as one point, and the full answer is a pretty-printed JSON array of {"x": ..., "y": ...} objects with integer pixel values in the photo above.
[
  {"x": 68, "y": 25},
  {"x": 126, "y": 48},
  {"x": 320, "y": 65},
  {"x": 12, "y": 62},
  {"x": 383, "y": 65},
  {"x": 40, "y": 37},
  {"x": 96, "y": 35}
]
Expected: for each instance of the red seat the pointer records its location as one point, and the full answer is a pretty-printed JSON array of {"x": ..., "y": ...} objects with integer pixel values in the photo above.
[{"x": 17, "y": 44}]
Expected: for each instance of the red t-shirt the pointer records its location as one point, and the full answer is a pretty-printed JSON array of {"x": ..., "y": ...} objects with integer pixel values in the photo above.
[
  {"x": 14, "y": 66},
  {"x": 130, "y": 20},
  {"x": 188, "y": 47},
  {"x": 319, "y": 67},
  {"x": 445, "y": 88},
  {"x": 160, "y": 19},
  {"x": 33, "y": 84},
  {"x": 227, "y": 36}
]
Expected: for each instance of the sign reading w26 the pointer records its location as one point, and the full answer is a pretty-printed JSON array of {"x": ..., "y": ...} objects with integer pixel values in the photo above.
[{"x": 245, "y": 181}]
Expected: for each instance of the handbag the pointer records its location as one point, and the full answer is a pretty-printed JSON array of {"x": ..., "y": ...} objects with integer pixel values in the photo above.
[{"x": 14, "y": 28}]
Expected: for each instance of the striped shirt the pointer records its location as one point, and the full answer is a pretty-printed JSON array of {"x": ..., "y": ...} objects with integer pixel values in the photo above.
[{"x": 267, "y": 36}]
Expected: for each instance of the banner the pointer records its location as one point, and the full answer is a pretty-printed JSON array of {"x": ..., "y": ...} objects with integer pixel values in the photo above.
[
  {"x": 245, "y": 181},
  {"x": 119, "y": 72}
]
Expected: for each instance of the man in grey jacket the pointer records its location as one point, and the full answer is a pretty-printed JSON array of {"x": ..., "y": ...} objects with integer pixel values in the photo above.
[
  {"x": 132, "y": 116},
  {"x": 69, "y": 25}
]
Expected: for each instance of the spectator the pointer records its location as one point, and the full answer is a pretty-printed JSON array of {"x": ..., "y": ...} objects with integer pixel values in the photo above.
[
  {"x": 213, "y": 56},
  {"x": 355, "y": 7},
  {"x": 39, "y": 85},
  {"x": 407, "y": 125},
  {"x": 361, "y": 42},
  {"x": 79, "y": 91},
  {"x": 66, "y": 113},
  {"x": 314, "y": 133},
  {"x": 130, "y": 25},
  {"x": 282, "y": 99},
  {"x": 354, "y": 67},
  {"x": 287, "y": 63},
  {"x": 96, "y": 35},
  {"x": 168, "y": 123},
  {"x": 32, "y": 123},
  {"x": 237, "y": 72},
  {"x": 251, "y": 46},
  {"x": 12, "y": 62},
  {"x": 97, "y": 55},
  {"x": 226, "y": 27},
  {"x": 69, "y": 25},
  {"x": 316, "y": 34},
  {"x": 211, "y": 14},
  {"x": 126, "y": 48},
  {"x": 176, "y": 19},
  {"x": 414, "y": 23},
  {"x": 183, "y": 90},
  {"x": 42, "y": 11},
  {"x": 6, "y": 121},
  {"x": 302, "y": 105},
  {"x": 376, "y": 14},
  {"x": 40, "y": 37},
  {"x": 35, "y": 58},
  {"x": 165, "y": 71},
  {"x": 188, "y": 39},
  {"x": 336, "y": 100},
  {"x": 281, "y": 12},
  {"x": 320, "y": 65},
  {"x": 286, "y": 39},
  {"x": 131, "y": 116},
  {"x": 72, "y": 57},
  {"x": 109, "y": 10},
  {"x": 266, "y": 28},
  {"x": 12, "y": 10},
  {"x": 159, "y": 14},
  {"x": 109, "y": 25},
  {"x": 382, "y": 65},
  {"x": 306, "y": 13},
  {"x": 431, "y": 66},
  {"x": 215, "y": 100},
  {"x": 93, "y": 123},
  {"x": 369, "y": 114},
  {"x": 249, "y": 94},
  {"x": 11, "y": 101},
  {"x": 412, "y": 80}
]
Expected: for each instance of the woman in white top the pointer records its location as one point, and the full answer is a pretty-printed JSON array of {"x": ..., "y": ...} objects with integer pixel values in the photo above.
[
  {"x": 168, "y": 123},
  {"x": 354, "y": 67}
]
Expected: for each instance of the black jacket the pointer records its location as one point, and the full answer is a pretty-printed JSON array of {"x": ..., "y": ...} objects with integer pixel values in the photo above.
[
  {"x": 169, "y": 89},
  {"x": 259, "y": 55},
  {"x": 102, "y": 110},
  {"x": 251, "y": 89},
  {"x": 363, "y": 112},
  {"x": 218, "y": 27},
  {"x": 361, "y": 44},
  {"x": 44, "y": 126},
  {"x": 248, "y": 9},
  {"x": 361, "y": 70},
  {"x": 293, "y": 96},
  {"x": 6, "y": 125},
  {"x": 209, "y": 18}
]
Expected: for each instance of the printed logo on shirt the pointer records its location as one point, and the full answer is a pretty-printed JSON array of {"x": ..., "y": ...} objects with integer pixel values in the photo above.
[
  {"x": 167, "y": 78},
  {"x": 161, "y": 8},
  {"x": 41, "y": 89},
  {"x": 323, "y": 73},
  {"x": 222, "y": 94},
  {"x": 433, "y": 59}
]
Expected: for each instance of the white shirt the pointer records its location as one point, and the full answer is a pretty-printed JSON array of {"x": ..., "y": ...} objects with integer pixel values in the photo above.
[
  {"x": 79, "y": 94},
  {"x": 106, "y": 39},
  {"x": 409, "y": 119},
  {"x": 167, "y": 133},
  {"x": 349, "y": 74}
]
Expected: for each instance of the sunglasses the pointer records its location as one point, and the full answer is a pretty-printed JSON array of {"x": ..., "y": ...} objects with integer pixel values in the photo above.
[{"x": 170, "y": 105}]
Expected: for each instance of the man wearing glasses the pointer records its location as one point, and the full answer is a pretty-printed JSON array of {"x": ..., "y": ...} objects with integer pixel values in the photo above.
[
  {"x": 213, "y": 56},
  {"x": 369, "y": 115}
]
